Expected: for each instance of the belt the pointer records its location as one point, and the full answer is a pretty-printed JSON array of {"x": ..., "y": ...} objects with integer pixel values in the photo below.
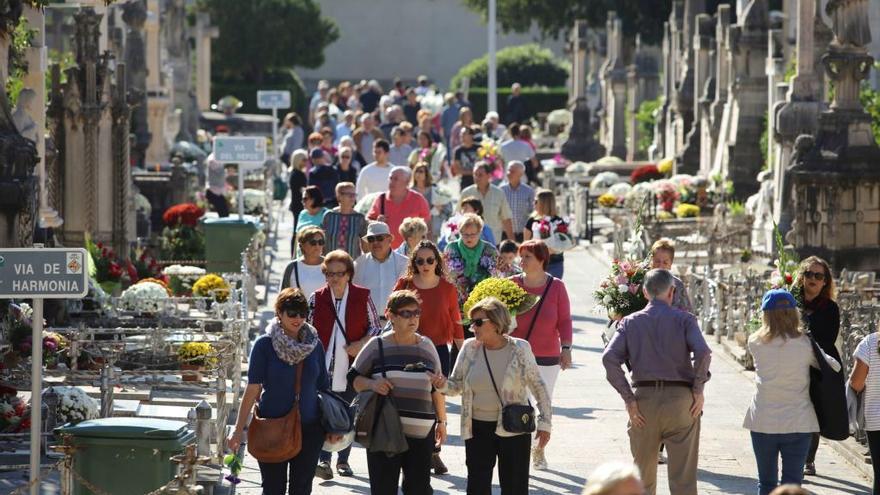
[{"x": 662, "y": 383}]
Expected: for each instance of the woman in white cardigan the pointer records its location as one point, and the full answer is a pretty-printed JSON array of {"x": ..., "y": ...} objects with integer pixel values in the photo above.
[
  {"x": 781, "y": 416},
  {"x": 515, "y": 373}
]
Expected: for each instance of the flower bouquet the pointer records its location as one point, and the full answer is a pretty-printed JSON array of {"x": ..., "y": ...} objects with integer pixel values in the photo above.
[
  {"x": 182, "y": 277},
  {"x": 665, "y": 166},
  {"x": 195, "y": 357},
  {"x": 74, "y": 405},
  {"x": 620, "y": 294},
  {"x": 211, "y": 285},
  {"x": 15, "y": 415},
  {"x": 555, "y": 233},
  {"x": 667, "y": 194},
  {"x": 644, "y": 174},
  {"x": 603, "y": 181},
  {"x": 181, "y": 240},
  {"x": 517, "y": 300},
  {"x": 107, "y": 271},
  {"x": 141, "y": 265},
  {"x": 687, "y": 210},
  {"x": 144, "y": 297},
  {"x": 490, "y": 152}
]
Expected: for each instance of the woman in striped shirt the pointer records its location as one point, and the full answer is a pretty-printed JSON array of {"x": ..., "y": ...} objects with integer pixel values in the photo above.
[{"x": 412, "y": 371}]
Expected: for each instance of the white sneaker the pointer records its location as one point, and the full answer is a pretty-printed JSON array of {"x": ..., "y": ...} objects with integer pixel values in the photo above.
[
  {"x": 539, "y": 462},
  {"x": 661, "y": 459}
]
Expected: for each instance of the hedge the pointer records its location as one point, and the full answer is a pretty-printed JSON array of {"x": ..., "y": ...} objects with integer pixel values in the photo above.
[
  {"x": 529, "y": 65},
  {"x": 537, "y": 99},
  {"x": 247, "y": 92}
]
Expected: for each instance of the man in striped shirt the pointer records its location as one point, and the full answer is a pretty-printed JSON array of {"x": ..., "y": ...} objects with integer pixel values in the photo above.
[{"x": 344, "y": 227}]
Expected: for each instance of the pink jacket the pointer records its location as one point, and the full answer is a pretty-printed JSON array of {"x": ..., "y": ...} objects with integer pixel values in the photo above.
[{"x": 553, "y": 328}]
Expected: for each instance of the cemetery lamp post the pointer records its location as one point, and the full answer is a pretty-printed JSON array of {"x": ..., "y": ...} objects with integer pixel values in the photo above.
[{"x": 493, "y": 75}]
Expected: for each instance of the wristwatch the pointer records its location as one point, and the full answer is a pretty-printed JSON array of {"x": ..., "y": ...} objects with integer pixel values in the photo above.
[{"x": 566, "y": 348}]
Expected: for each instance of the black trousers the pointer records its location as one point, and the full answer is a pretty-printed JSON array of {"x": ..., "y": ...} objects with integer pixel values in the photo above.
[
  {"x": 814, "y": 447},
  {"x": 415, "y": 464},
  {"x": 297, "y": 473},
  {"x": 513, "y": 455},
  {"x": 218, "y": 203},
  {"x": 874, "y": 446},
  {"x": 443, "y": 352}
]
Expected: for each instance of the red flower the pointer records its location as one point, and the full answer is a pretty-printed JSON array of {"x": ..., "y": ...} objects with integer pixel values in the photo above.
[
  {"x": 562, "y": 228},
  {"x": 644, "y": 174},
  {"x": 788, "y": 278},
  {"x": 183, "y": 214},
  {"x": 132, "y": 271},
  {"x": 115, "y": 271}
]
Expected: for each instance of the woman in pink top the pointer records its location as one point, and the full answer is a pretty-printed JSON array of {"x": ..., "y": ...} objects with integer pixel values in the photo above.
[{"x": 547, "y": 326}]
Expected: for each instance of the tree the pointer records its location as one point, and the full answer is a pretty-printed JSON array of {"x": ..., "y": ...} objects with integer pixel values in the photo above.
[
  {"x": 529, "y": 65},
  {"x": 260, "y": 36}
]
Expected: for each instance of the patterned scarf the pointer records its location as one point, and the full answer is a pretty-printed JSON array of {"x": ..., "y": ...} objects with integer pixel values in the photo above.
[
  {"x": 291, "y": 350},
  {"x": 470, "y": 256}
]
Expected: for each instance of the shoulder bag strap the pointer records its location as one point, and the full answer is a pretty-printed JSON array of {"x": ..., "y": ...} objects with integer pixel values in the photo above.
[
  {"x": 491, "y": 376},
  {"x": 296, "y": 274},
  {"x": 285, "y": 281},
  {"x": 336, "y": 317},
  {"x": 382, "y": 204},
  {"x": 540, "y": 303}
]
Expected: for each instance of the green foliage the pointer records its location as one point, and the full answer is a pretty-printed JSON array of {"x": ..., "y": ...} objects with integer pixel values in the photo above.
[
  {"x": 736, "y": 208},
  {"x": 647, "y": 119},
  {"x": 871, "y": 100},
  {"x": 529, "y": 65},
  {"x": 538, "y": 100},
  {"x": 790, "y": 70},
  {"x": 258, "y": 36},
  {"x": 22, "y": 38},
  {"x": 65, "y": 60},
  {"x": 247, "y": 91}
]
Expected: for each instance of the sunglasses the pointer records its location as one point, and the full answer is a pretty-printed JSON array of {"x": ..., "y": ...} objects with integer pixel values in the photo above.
[
  {"x": 406, "y": 313},
  {"x": 335, "y": 274},
  {"x": 295, "y": 313},
  {"x": 814, "y": 275},
  {"x": 315, "y": 242},
  {"x": 425, "y": 261},
  {"x": 478, "y": 322},
  {"x": 375, "y": 238}
]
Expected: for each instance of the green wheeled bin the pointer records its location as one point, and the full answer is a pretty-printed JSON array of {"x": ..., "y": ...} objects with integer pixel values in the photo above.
[
  {"x": 225, "y": 239},
  {"x": 125, "y": 456}
]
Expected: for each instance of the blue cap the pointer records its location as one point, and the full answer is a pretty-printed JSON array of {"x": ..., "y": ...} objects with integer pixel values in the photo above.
[
  {"x": 778, "y": 299},
  {"x": 316, "y": 153}
]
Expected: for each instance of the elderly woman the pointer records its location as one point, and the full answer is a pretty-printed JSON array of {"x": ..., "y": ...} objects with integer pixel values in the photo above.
[
  {"x": 290, "y": 347},
  {"x": 615, "y": 478},
  {"x": 662, "y": 257},
  {"x": 304, "y": 273},
  {"x": 781, "y": 417},
  {"x": 404, "y": 365},
  {"x": 822, "y": 317},
  {"x": 547, "y": 326},
  {"x": 865, "y": 379},
  {"x": 492, "y": 371},
  {"x": 345, "y": 318},
  {"x": 345, "y": 165},
  {"x": 414, "y": 230},
  {"x": 422, "y": 183},
  {"x": 470, "y": 260},
  {"x": 475, "y": 206}
]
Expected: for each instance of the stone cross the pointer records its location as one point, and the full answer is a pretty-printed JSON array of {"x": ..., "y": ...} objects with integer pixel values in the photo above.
[
  {"x": 615, "y": 77},
  {"x": 579, "y": 60},
  {"x": 205, "y": 32}
]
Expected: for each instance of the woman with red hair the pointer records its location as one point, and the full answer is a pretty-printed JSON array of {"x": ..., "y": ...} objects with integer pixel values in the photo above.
[{"x": 547, "y": 326}]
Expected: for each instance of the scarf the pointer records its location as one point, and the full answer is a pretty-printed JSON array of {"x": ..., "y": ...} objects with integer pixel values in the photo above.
[
  {"x": 470, "y": 256},
  {"x": 290, "y": 350}
]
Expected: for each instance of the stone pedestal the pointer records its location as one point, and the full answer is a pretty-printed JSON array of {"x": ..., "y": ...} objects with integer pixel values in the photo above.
[
  {"x": 580, "y": 145},
  {"x": 205, "y": 32}
]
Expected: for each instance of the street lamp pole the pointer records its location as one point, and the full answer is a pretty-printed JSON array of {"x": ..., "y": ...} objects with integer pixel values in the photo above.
[{"x": 493, "y": 79}]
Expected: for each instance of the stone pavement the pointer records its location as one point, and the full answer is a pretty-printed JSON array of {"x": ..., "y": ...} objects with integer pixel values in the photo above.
[{"x": 589, "y": 419}]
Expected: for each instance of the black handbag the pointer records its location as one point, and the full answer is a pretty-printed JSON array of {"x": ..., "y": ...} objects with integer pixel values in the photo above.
[
  {"x": 515, "y": 418},
  {"x": 828, "y": 394}
]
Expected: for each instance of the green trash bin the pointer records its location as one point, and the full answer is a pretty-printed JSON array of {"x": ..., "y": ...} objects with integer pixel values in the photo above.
[
  {"x": 225, "y": 239},
  {"x": 128, "y": 456}
]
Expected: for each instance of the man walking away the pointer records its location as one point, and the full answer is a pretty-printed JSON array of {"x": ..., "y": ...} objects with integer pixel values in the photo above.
[{"x": 667, "y": 402}]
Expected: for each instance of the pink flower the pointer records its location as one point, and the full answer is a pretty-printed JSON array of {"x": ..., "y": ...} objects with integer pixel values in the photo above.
[
  {"x": 633, "y": 288},
  {"x": 621, "y": 279}
]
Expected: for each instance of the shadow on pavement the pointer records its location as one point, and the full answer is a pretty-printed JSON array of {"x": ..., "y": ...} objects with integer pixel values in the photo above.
[{"x": 728, "y": 484}]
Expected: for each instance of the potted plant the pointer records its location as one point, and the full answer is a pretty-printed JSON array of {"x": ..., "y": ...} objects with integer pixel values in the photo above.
[
  {"x": 194, "y": 358},
  {"x": 211, "y": 286}
]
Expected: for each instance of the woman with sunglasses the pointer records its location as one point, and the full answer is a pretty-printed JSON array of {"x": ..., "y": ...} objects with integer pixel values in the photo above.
[
  {"x": 272, "y": 368},
  {"x": 345, "y": 319},
  {"x": 822, "y": 315},
  {"x": 491, "y": 366},
  {"x": 404, "y": 366},
  {"x": 426, "y": 275},
  {"x": 345, "y": 165},
  {"x": 304, "y": 273},
  {"x": 312, "y": 214}
]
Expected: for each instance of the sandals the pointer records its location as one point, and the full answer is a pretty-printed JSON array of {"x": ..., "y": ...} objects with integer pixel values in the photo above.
[{"x": 344, "y": 470}]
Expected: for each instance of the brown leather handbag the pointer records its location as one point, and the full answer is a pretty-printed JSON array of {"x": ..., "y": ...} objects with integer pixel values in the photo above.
[{"x": 277, "y": 439}]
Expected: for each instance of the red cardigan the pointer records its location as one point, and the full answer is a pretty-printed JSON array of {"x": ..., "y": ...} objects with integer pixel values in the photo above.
[{"x": 357, "y": 320}]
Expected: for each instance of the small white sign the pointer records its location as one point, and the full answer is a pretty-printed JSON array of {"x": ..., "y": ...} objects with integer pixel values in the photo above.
[
  {"x": 268, "y": 100},
  {"x": 243, "y": 150}
]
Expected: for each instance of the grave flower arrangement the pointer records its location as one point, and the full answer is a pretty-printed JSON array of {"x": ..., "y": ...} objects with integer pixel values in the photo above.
[
  {"x": 211, "y": 285},
  {"x": 197, "y": 354},
  {"x": 74, "y": 405},
  {"x": 603, "y": 181},
  {"x": 181, "y": 239},
  {"x": 490, "y": 152},
  {"x": 103, "y": 265},
  {"x": 666, "y": 193},
  {"x": 182, "y": 277},
  {"x": 15, "y": 415},
  {"x": 513, "y": 296},
  {"x": 645, "y": 173},
  {"x": 620, "y": 294},
  {"x": 17, "y": 326},
  {"x": 144, "y": 297},
  {"x": 665, "y": 166},
  {"x": 255, "y": 202},
  {"x": 687, "y": 210}
]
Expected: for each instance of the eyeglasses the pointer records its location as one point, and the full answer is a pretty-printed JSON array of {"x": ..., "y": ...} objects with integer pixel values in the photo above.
[
  {"x": 470, "y": 236},
  {"x": 426, "y": 261},
  {"x": 407, "y": 313},
  {"x": 335, "y": 274},
  {"x": 375, "y": 238},
  {"x": 478, "y": 322},
  {"x": 315, "y": 242},
  {"x": 295, "y": 313},
  {"x": 819, "y": 276}
]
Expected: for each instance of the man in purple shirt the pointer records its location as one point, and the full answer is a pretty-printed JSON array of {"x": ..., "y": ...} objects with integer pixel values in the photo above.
[{"x": 667, "y": 402}]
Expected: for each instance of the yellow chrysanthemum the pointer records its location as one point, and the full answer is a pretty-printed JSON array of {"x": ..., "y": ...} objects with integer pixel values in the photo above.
[
  {"x": 211, "y": 285},
  {"x": 512, "y": 295}
]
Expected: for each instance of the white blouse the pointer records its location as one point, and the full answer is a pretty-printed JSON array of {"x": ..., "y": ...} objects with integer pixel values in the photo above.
[
  {"x": 868, "y": 353},
  {"x": 782, "y": 377}
]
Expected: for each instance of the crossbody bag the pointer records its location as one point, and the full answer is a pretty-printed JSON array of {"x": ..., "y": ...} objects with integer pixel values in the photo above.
[
  {"x": 277, "y": 439},
  {"x": 515, "y": 418}
]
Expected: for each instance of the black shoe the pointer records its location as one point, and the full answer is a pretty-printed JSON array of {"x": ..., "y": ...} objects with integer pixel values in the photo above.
[
  {"x": 323, "y": 471},
  {"x": 810, "y": 469},
  {"x": 344, "y": 470},
  {"x": 437, "y": 464}
]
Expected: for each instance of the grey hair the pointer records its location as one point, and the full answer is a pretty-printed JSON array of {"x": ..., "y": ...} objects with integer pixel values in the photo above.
[
  {"x": 405, "y": 170},
  {"x": 515, "y": 163},
  {"x": 495, "y": 311},
  {"x": 657, "y": 282},
  {"x": 607, "y": 476},
  {"x": 365, "y": 117}
]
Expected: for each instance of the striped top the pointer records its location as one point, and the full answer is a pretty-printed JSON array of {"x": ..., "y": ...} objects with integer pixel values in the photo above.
[
  {"x": 412, "y": 388},
  {"x": 344, "y": 231}
]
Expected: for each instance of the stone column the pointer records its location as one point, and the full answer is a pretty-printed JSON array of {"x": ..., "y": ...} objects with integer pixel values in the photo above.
[
  {"x": 673, "y": 68},
  {"x": 689, "y": 158},
  {"x": 205, "y": 32},
  {"x": 158, "y": 99},
  {"x": 615, "y": 76},
  {"x": 180, "y": 60},
  {"x": 580, "y": 144},
  {"x": 775, "y": 70},
  {"x": 658, "y": 148},
  {"x": 715, "y": 113},
  {"x": 134, "y": 14}
]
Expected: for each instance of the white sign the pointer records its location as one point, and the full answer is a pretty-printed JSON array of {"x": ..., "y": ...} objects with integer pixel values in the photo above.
[
  {"x": 243, "y": 150},
  {"x": 268, "y": 100},
  {"x": 49, "y": 273}
]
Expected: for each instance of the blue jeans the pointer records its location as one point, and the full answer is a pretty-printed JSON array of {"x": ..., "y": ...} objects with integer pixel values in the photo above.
[{"x": 793, "y": 447}]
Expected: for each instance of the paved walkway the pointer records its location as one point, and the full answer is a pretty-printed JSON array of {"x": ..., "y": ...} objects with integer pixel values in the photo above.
[{"x": 589, "y": 419}]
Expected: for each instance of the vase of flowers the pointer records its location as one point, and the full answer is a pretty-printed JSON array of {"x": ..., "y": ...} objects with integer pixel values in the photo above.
[
  {"x": 194, "y": 358},
  {"x": 144, "y": 297},
  {"x": 74, "y": 404},
  {"x": 106, "y": 269},
  {"x": 182, "y": 277},
  {"x": 211, "y": 286},
  {"x": 513, "y": 296}
]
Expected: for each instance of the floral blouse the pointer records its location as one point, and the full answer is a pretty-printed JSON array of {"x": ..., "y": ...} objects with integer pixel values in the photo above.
[
  {"x": 488, "y": 267},
  {"x": 522, "y": 376}
]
